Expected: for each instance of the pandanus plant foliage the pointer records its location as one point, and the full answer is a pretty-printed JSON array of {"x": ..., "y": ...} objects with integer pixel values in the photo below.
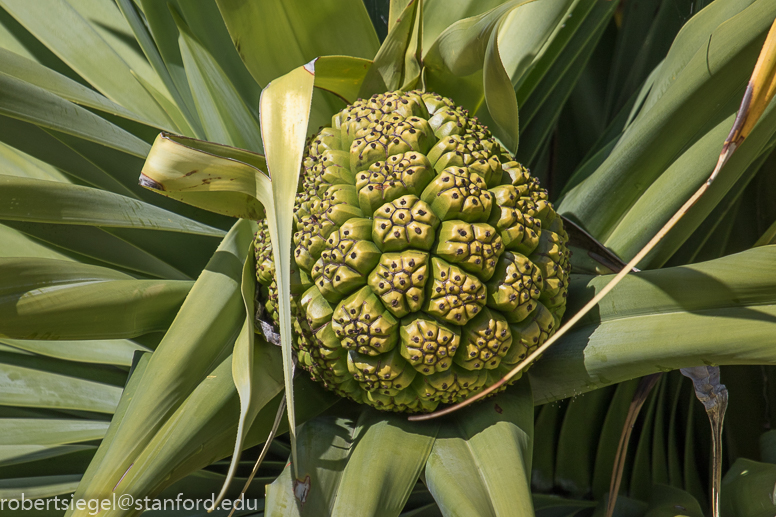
[{"x": 234, "y": 230}]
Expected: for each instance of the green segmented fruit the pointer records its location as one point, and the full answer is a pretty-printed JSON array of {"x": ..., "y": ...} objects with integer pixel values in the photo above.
[
  {"x": 265, "y": 272},
  {"x": 427, "y": 262}
]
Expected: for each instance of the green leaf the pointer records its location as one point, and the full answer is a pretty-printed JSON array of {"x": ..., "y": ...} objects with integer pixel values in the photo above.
[
  {"x": 481, "y": 463},
  {"x": 323, "y": 447},
  {"x": 769, "y": 237},
  {"x": 767, "y": 446},
  {"x": 464, "y": 62},
  {"x": 205, "y": 482},
  {"x": 609, "y": 438},
  {"x": 387, "y": 70},
  {"x": 50, "y": 202},
  {"x": 204, "y": 19},
  {"x": 253, "y": 394},
  {"x": 578, "y": 439},
  {"x": 176, "y": 109},
  {"x": 632, "y": 36},
  {"x": 16, "y": 163},
  {"x": 549, "y": 505},
  {"x": 38, "y": 487},
  {"x": 225, "y": 117},
  {"x": 41, "y": 145},
  {"x": 115, "y": 164},
  {"x": 441, "y": 14},
  {"x": 180, "y": 120},
  {"x": 395, "y": 10},
  {"x": 25, "y": 454},
  {"x": 658, "y": 447},
  {"x": 30, "y": 103},
  {"x": 162, "y": 26},
  {"x": 89, "y": 243},
  {"x": 707, "y": 68},
  {"x": 399, "y": 448},
  {"x": 17, "y": 244},
  {"x": 200, "y": 337},
  {"x": 214, "y": 177},
  {"x": 285, "y": 112},
  {"x": 30, "y": 387},
  {"x": 107, "y": 20},
  {"x": 642, "y": 42},
  {"x": 675, "y": 474},
  {"x": 704, "y": 303},
  {"x": 202, "y": 430},
  {"x": 720, "y": 238},
  {"x": 666, "y": 195},
  {"x": 641, "y": 475},
  {"x": 625, "y": 507},
  {"x": 185, "y": 252},
  {"x": 53, "y": 299},
  {"x": 546, "y": 431},
  {"x": 33, "y": 73},
  {"x": 205, "y": 421},
  {"x": 66, "y": 33},
  {"x": 693, "y": 481},
  {"x": 552, "y": 80},
  {"x": 117, "y": 352},
  {"x": 667, "y": 501},
  {"x": 341, "y": 471},
  {"x": 140, "y": 363},
  {"x": 413, "y": 58},
  {"x": 559, "y": 45},
  {"x": 275, "y": 37},
  {"x": 499, "y": 93},
  {"x": 455, "y": 59},
  {"x": 721, "y": 219},
  {"x": 341, "y": 75},
  {"x": 747, "y": 489},
  {"x": 608, "y": 139},
  {"x": 17, "y": 39},
  {"x": 38, "y": 431}
]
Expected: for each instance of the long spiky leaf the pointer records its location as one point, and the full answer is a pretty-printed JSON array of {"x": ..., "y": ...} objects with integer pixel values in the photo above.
[
  {"x": 243, "y": 372},
  {"x": 285, "y": 110}
]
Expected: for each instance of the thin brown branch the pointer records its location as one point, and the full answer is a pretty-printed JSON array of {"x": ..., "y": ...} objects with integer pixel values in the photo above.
[
  {"x": 264, "y": 450},
  {"x": 642, "y": 392}
]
